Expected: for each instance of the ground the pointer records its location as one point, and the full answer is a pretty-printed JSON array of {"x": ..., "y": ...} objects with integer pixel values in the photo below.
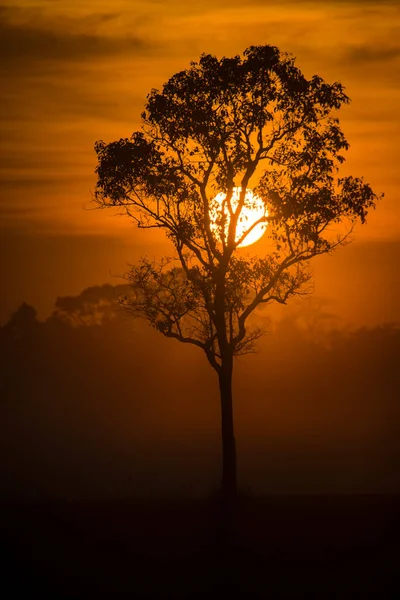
[{"x": 285, "y": 547}]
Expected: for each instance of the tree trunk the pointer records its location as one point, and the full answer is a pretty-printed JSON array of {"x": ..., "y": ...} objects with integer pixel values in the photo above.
[{"x": 229, "y": 475}]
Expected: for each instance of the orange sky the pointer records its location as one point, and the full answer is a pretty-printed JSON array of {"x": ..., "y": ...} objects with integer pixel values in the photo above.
[{"x": 75, "y": 72}]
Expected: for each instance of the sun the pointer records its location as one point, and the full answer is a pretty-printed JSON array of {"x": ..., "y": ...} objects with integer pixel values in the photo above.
[{"x": 253, "y": 210}]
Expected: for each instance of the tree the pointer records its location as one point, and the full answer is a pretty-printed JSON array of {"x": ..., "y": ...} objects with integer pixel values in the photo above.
[
  {"x": 23, "y": 323},
  {"x": 211, "y": 129},
  {"x": 93, "y": 306}
]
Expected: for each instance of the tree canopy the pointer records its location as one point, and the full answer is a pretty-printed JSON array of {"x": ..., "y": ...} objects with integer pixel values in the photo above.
[{"x": 229, "y": 125}]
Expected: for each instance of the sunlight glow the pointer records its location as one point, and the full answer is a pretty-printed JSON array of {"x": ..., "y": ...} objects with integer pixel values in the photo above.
[{"x": 253, "y": 210}]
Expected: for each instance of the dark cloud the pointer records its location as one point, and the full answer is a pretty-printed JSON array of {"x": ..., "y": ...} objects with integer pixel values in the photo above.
[
  {"x": 40, "y": 158},
  {"x": 358, "y": 2},
  {"x": 20, "y": 43},
  {"x": 307, "y": 3},
  {"x": 33, "y": 38},
  {"x": 49, "y": 102},
  {"x": 369, "y": 113},
  {"x": 21, "y": 181},
  {"x": 19, "y": 211},
  {"x": 318, "y": 3},
  {"x": 371, "y": 53}
]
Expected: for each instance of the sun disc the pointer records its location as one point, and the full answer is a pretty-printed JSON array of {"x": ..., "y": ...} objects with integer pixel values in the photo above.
[{"x": 252, "y": 211}]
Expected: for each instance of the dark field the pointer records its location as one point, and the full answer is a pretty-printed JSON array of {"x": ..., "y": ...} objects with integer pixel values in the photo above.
[
  {"x": 285, "y": 547},
  {"x": 102, "y": 410}
]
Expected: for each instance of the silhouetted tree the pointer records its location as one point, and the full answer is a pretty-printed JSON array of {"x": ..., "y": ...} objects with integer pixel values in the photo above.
[
  {"x": 209, "y": 131},
  {"x": 23, "y": 322},
  {"x": 94, "y": 305}
]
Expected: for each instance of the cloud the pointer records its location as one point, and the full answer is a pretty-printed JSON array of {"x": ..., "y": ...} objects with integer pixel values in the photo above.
[
  {"x": 20, "y": 212},
  {"x": 371, "y": 53},
  {"x": 18, "y": 180},
  {"x": 29, "y": 35}
]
